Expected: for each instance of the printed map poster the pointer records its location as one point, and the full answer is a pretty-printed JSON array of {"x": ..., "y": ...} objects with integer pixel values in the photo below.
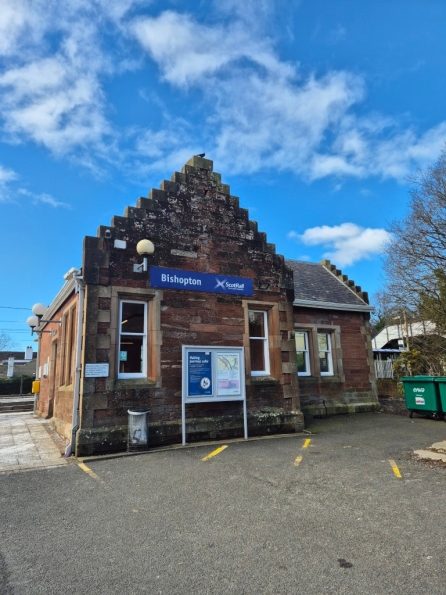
[{"x": 228, "y": 374}]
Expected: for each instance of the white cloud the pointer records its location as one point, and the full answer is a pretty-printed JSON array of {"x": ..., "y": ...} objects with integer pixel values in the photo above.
[
  {"x": 264, "y": 114},
  {"x": 52, "y": 103},
  {"x": 9, "y": 190},
  {"x": 6, "y": 177},
  {"x": 187, "y": 51},
  {"x": 347, "y": 243},
  {"x": 258, "y": 111},
  {"x": 377, "y": 146},
  {"x": 43, "y": 198},
  {"x": 255, "y": 14},
  {"x": 51, "y": 86},
  {"x": 18, "y": 22},
  {"x": 277, "y": 124}
]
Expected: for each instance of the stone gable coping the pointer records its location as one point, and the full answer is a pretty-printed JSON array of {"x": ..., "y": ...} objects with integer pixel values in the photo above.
[
  {"x": 197, "y": 182},
  {"x": 363, "y": 295},
  {"x": 200, "y": 163}
]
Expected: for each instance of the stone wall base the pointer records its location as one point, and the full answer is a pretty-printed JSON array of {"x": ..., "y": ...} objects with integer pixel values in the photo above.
[
  {"x": 61, "y": 427},
  {"x": 347, "y": 403},
  {"x": 90, "y": 441},
  {"x": 387, "y": 388}
]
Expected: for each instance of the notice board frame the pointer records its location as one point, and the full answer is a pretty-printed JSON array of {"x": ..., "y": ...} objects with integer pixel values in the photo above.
[{"x": 205, "y": 381}]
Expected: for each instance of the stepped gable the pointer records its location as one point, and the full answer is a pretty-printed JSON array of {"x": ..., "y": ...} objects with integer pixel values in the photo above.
[
  {"x": 323, "y": 282},
  {"x": 196, "y": 224}
]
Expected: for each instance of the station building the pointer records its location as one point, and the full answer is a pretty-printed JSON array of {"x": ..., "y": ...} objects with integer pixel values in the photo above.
[{"x": 120, "y": 322}]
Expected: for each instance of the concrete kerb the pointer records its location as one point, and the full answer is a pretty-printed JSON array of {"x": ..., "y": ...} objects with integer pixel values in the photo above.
[
  {"x": 118, "y": 455},
  {"x": 14, "y": 469}
]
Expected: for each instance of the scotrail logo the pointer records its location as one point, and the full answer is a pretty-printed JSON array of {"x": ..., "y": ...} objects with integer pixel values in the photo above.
[{"x": 225, "y": 285}]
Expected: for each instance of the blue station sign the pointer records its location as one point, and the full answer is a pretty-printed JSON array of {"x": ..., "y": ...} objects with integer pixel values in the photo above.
[{"x": 193, "y": 281}]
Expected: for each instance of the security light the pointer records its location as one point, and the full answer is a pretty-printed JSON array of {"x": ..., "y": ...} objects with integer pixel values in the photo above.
[
  {"x": 263, "y": 285},
  {"x": 143, "y": 247}
]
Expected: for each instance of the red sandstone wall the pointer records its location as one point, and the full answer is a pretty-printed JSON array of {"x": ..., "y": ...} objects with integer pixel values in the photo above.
[
  {"x": 56, "y": 398},
  {"x": 354, "y": 377},
  {"x": 195, "y": 224}
]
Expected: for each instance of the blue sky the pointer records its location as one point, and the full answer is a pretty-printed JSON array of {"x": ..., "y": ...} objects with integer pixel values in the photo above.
[{"x": 315, "y": 112}]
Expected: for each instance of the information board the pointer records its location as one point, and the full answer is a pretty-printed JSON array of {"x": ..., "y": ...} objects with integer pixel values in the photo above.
[
  {"x": 199, "y": 366},
  {"x": 213, "y": 374},
  {"x": 96, "y": 370},
  {"x": 229, "y": 382}
]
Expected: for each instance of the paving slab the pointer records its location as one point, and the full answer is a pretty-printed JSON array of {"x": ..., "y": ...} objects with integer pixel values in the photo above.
[
  {"x": 431, "y": 455},
  {"x": 440, "y": 446},
  {"x": 26, "y": 444}
]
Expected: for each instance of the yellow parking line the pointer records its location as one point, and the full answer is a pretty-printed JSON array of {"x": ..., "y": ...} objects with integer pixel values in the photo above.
[
  {"x": 306, "y": 443},
  {"x": 297, "y": 461},
  {"x": 215, "y": 452},
  {"x": 90, "y": 472},
  {"x": 395, "y": 468}
]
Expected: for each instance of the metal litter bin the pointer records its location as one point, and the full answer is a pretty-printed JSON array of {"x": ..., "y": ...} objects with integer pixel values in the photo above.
[
  {"x": 138, "y": 432},
  {"x": 422, "y": 396},
  {"x": 441, "y": 383}
]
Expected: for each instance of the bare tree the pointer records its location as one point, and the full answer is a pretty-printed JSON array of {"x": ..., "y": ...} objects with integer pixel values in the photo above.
[
  {"x": 6, "y": 342},
  {"x": 416, "y": 255}
]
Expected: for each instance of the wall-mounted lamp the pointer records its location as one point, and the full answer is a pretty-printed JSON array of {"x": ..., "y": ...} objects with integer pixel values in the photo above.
[
  {"x": 263, "y": 285},
  {"x": 37, "y": 318},
  {"x": 143, "y": 247}
]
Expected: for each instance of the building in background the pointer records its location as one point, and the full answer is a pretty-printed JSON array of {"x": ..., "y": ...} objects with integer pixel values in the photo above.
[{"x": 24, "y": 363}]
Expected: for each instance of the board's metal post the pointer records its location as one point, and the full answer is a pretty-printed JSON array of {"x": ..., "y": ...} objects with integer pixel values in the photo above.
[
  {"x": 183, "y": 395},
  {"x": 183, "y": 421},
  {"x": 245, "y": 418}
]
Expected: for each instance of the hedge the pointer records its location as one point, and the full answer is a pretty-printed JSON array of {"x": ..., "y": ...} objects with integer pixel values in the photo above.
[{"x": 11, "y": 386}]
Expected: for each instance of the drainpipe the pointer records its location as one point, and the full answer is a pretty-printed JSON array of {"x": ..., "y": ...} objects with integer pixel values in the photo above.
[
  {"x": 79, "y": 288},
  {"x": 37, "y": 395}
]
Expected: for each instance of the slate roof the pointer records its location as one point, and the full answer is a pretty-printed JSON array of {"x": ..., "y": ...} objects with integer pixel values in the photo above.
[
  {"x": 15, "y": 354},
  {"x": 313, "y": 282}
]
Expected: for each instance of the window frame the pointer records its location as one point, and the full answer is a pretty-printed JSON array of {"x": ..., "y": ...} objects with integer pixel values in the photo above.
[
  {"x": 265, "y": 339},
  {"x": 144, "y": 335},
  {"x": 336, "y": 369},
  {"x": 328, "y": 351},
  {"x": 306, "y": 352}
]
